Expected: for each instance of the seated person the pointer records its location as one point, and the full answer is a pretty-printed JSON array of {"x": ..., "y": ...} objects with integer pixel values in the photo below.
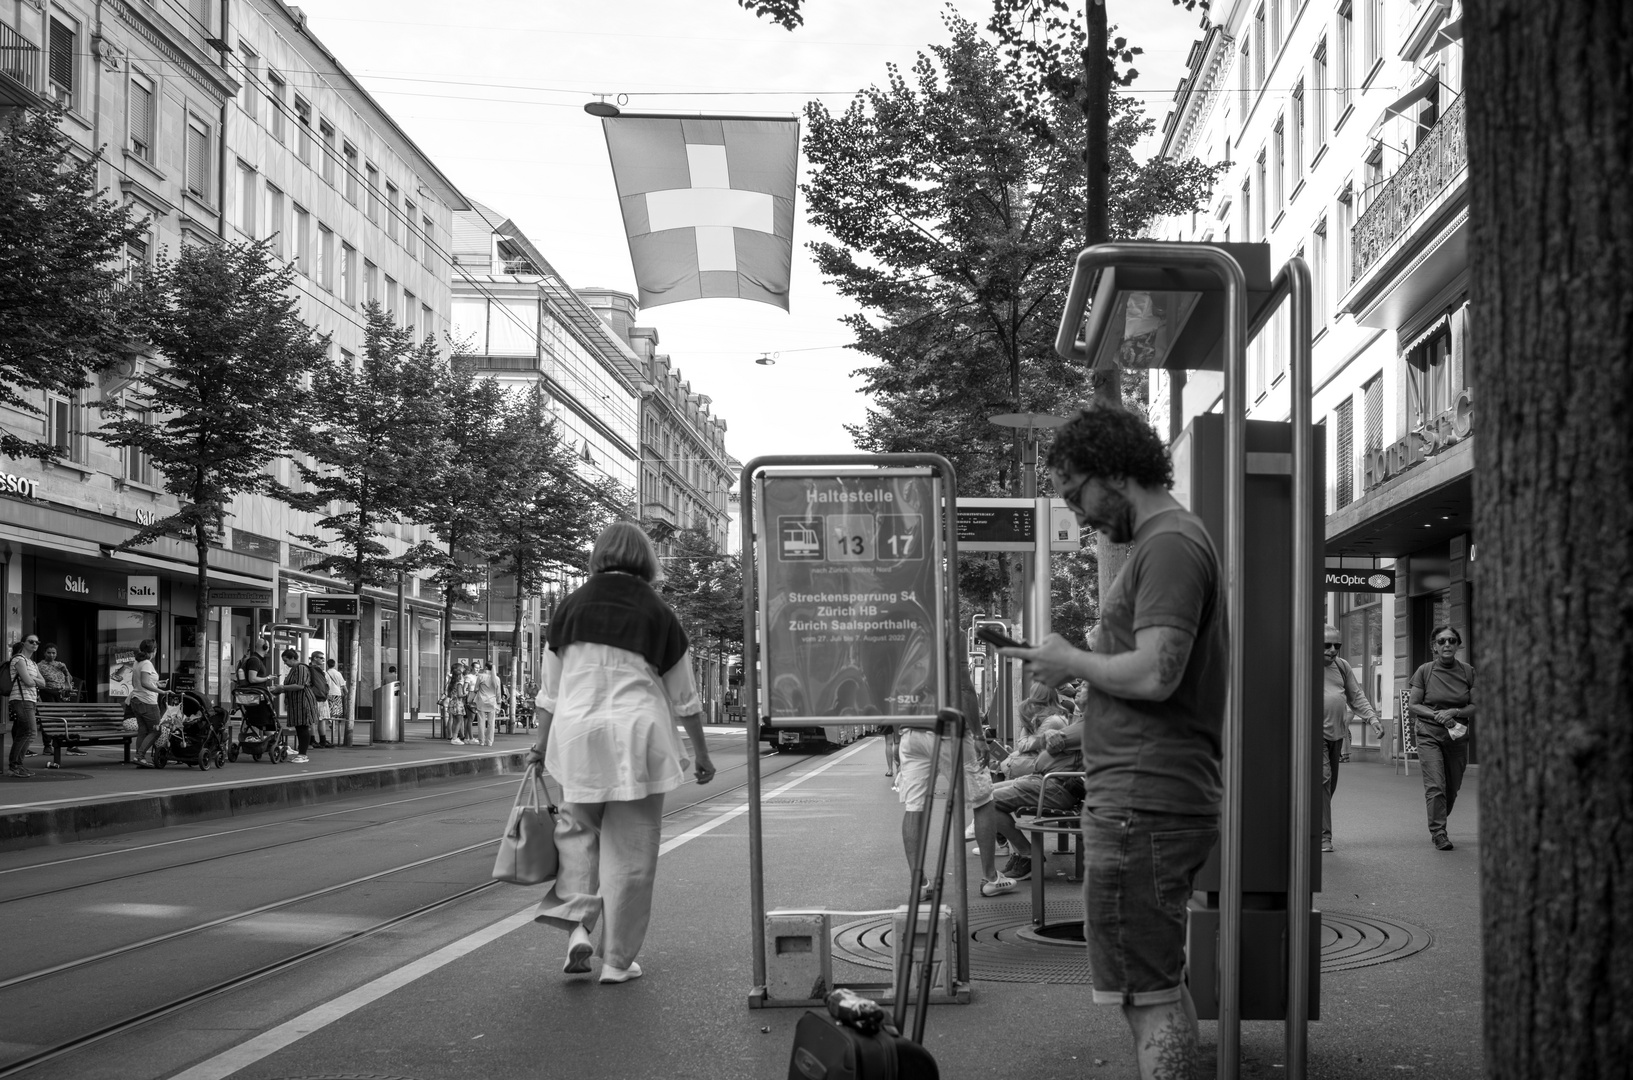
[{"x": 1062, "y": 750}]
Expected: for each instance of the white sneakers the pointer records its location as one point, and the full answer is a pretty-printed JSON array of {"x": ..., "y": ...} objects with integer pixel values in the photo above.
[
  {"x": 578, "y": 952},
  {"x": 457, "y": 741},
  {"x": 610, "y": 974}
]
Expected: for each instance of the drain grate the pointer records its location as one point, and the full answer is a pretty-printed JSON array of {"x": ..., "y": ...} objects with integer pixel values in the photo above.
[{"x": 1004, "y": 947}]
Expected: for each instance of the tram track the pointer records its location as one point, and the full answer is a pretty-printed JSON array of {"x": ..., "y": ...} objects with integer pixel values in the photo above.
[{"x": 37, "y": 981}]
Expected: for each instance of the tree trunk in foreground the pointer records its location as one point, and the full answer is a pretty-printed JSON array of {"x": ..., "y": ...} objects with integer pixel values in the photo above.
[{"x": 1550, "y": 132}]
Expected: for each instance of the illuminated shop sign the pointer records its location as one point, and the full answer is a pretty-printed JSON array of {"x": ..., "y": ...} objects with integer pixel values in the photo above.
[
  {"x": 1418, "y": 446},
  {"x": 1358, "y": 581},
  {"x": 12, "y": 484}
]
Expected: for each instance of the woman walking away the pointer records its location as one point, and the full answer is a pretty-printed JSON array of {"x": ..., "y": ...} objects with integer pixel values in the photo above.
[
  {"x": 144, "y": 702},
  {"x": 21, "y": 701},
  {"x": 617, "y": 675},
  {"x": 486, "y": 701},
  {"x": 1340, "y": 692},
  {"x": 303, "y": 702},
  {"x": 1442, "y": 702}
]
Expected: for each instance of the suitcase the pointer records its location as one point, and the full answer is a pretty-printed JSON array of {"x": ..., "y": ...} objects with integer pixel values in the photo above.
[{"x": 852, "y": 1041}]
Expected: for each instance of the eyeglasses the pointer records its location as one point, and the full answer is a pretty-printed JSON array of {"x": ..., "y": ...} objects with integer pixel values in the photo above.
[
  {"x": 1332, "y": 645},
  {"x": 1069, "y": 496},
  {"x": 32, "y": 641},
  {"x": 1447, "y": 641}
]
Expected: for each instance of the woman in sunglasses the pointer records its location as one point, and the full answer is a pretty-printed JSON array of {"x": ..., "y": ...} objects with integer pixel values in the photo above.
[
  {"x": 1441, "y": 702},
  {"x": 1340, "y": 692}
]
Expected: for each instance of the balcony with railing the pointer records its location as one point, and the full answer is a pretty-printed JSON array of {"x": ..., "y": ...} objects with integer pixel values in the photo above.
[
  {"x": 19, "y": 69},
  {"x": 1439, "y": 162}
]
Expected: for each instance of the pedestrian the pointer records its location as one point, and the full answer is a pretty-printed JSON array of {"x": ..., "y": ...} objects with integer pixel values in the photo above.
[
  {"x": 1340, "y": 692},
  {"x": 143, "y": 702},
  {"x": 485, "y": 699},
  {"x": 335, "y": 687},
  {"x": 1157, "y": 681},
  {"x": 617, "y": 677},
  {"x": 320, "y": 694},
  {"x": 58, "y": 684},
  {"x": 893, "y": 750},
  {"x": 252, "y": 670},
  {"x": 454, "y": 698},
  {"x": 22, "y": 701},
  {"x": 1441, "y": 701},
  {"x": 303, "y": 703}
]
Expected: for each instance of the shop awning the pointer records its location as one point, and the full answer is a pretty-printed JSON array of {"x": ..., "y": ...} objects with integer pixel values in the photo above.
[
  {"x": 1452, "y": 31},
  {"x": 1425, "y": 334},
  {"x": 185, "y": 571},
  {"x": 1412, "y": 97}
]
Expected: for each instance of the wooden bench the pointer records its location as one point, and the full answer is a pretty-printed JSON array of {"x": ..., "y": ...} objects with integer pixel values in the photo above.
[{"x": 70, "y": 723}]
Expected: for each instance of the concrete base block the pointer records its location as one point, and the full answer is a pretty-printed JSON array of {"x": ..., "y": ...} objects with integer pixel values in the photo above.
[
  {"x": 799, "y": 962},
  {"x": 945, "y": 964}
]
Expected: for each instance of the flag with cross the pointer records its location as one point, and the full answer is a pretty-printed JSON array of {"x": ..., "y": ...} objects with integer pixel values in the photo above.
[{"x": 708, "y": 205}]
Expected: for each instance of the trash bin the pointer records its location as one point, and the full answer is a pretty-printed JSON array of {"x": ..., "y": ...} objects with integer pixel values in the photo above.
[{"x": 388, "y": 717}]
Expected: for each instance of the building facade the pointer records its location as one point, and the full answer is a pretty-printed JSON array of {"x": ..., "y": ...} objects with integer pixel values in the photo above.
[
  {"x": 1343, "y": 126},
  {"x": 217, "y": 121}
]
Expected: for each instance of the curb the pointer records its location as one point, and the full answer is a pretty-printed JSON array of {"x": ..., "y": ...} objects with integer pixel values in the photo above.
[{"x": 133, "y": 813}]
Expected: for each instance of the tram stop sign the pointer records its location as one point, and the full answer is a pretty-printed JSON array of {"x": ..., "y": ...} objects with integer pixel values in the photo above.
[{"x": 851, "y": 596}]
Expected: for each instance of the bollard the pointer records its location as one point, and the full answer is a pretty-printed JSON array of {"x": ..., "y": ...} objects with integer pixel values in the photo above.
[{"x": 799, "y": 963}]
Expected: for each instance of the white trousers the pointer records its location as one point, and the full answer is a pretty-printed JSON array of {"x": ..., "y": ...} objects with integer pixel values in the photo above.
[{"x": 608, "y": 858}]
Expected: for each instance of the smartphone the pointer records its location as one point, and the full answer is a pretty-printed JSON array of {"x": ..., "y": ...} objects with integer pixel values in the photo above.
[{"x": 994, "y": 636}]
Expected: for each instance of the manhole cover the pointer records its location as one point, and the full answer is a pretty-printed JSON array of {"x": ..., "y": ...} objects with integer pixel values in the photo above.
[
  {"x": 1004, "y": 946},
  {"x": 46, "y": 776}
]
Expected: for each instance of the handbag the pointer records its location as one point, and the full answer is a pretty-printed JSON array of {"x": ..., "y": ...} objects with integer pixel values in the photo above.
[{"x": 527, "y": 850}]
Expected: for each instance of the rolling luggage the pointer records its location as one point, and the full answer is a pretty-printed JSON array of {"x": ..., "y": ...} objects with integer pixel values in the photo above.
[{"x": 853, "y": 1040}]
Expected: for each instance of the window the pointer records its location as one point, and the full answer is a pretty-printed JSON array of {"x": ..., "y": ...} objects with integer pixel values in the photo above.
[
  {"x": 200, "y": 11},
  {"x": 427, "y": 231},
  {"x": 1295, "y": 151},
  {"x": 426, "y": 327},
  {"x": 408, "y": 228},
  {"x": 1244, "y": 80},
  {"x": 244, "y": 212},
  {"x": 1278, "y": 182},
  {"x": 1344, "y": 457},
  {"x": 1372, "y": 34},
  {"x": 1373, "y": 176},
  {"x": 62, "y": 425},
  {"x": 1247, "y": 209},
  {"x": 372, "y": 175},
  {"x": 1318, "y": 272},
  {"x": 143, "y": 116},
  {"x": 348, "y": 359},
  {"x": 1258, "y": 47},
  {"x": 1318, "y": 98},
  {"x": 1275, "y": 27},
  {"x": 391, "y": 211},
  {"x": 138, "y": 469},
  {"x": 326, "y": 257},
  {"x": 303, "y": 240},
  {"x": 275, "y": 221},
  {"x": 250, "y": 62},
  {"x": 136, "y": 253},
  {"x": 1258, "y": 218},
  {"x": 303, "y": 123},
  {"x": 1372, "y": 403},
  {"x": 1345, "y": 58},
  {"x": 326, "y": 131},
  {"x": 348, "y": 273},
  {"x": 275, "y": 103},
  {"x": 1430, "y": 379},
  {"x": 349, "y": 154},
  {"x": 410, "y": 309},
  {"x": 64, "y": 39},
  {"x": 391, "y": 297},
  {"x": 1346, "y": 221},
  {"x": 198, "y": 158},
  {"x": 371, "y": 282}
]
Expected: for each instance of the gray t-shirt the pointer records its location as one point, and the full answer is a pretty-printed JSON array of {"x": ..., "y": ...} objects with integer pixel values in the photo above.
[{"x": 1162, "y": 756}]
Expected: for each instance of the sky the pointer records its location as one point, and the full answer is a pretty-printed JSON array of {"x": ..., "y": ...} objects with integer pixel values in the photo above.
[{"x": 493, "y": 91}]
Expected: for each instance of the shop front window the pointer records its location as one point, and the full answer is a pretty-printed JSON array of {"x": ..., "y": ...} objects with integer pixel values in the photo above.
[
  {"x": 118, "y": 632},
  {"x": 1361, "y": 622}
]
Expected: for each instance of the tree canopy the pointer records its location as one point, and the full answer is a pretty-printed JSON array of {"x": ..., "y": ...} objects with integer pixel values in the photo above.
[{"x": 62, "y": 246}]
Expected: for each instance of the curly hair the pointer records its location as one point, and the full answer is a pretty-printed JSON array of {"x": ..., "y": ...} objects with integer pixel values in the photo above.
[{"x": 1107, "y": 441}]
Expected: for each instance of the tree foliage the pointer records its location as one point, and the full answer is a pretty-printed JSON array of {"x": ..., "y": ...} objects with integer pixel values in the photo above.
[
  {"x": 705, "y": 587},
  {"x": 785, "y": 13},
  {"x": 223, "y": 397},
  {"x": 62, "y": 311}
]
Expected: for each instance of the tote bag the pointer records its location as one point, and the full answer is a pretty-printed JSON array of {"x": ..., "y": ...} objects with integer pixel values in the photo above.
[{"x": 527, "y": 850}]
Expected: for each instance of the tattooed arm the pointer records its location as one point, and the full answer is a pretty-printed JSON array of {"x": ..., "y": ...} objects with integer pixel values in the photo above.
[{"x": 1149, "y": 672}]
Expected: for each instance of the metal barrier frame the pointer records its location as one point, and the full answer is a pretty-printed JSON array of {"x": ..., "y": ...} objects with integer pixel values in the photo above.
[{"x": 950, "y": 643}]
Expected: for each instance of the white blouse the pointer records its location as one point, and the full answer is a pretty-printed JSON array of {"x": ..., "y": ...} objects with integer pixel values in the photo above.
[{"x": 613, "y": 736}]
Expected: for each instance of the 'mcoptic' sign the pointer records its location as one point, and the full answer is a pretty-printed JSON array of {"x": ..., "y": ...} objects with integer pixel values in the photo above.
[{"x": 1361, "y": 581}]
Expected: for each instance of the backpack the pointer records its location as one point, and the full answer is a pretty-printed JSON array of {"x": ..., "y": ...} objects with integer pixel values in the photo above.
[
  {"x": 318, "y": 679},
  {"x": 5, "y": 678}
]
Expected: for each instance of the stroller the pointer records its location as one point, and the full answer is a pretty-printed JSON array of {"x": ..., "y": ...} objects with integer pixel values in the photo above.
[
  {"x": 259, "y": 729},
  {"x": 191, "y": 731}
]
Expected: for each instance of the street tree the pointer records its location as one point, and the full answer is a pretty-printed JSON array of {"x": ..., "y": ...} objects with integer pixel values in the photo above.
[
  {"x": 223, "y": 396},
  {"x": 1550, "y": 154},
  {"x": 549, "y": 510},
  {"x": 705, "y": 588},
  {"x": 63, "y": 313},
  {"x": 367, "y": 457}
]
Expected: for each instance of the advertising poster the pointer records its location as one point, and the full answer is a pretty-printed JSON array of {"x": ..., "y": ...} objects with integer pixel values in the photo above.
[{"x": 850, "y": 595}]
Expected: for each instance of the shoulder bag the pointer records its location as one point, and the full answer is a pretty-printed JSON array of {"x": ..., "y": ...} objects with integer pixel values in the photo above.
[{"x": 527, "y": 850}]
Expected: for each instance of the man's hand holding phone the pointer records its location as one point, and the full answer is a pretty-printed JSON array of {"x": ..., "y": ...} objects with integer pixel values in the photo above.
[
  {"x": 1050, "y": 661},
  {"x": 994, "y": 636}
]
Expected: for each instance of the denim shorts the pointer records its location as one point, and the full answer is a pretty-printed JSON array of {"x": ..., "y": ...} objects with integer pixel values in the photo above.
[{"x": 1139, "y": 866}]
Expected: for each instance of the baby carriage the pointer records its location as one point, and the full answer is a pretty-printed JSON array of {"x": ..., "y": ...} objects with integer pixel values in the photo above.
[
  {"x": 259, "y": 729},
  {"x": 191, "y": 731}
]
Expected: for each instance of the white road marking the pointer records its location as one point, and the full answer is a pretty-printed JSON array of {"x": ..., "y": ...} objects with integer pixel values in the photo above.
[{"x": 290, "y": 1032}]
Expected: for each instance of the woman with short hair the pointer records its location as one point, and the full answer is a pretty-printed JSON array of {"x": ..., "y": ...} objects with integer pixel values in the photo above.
[
  {"x": 617, "y": 676},
  {"x": 1442, "y": 703},
  {"x": 143, "y": 702}
]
